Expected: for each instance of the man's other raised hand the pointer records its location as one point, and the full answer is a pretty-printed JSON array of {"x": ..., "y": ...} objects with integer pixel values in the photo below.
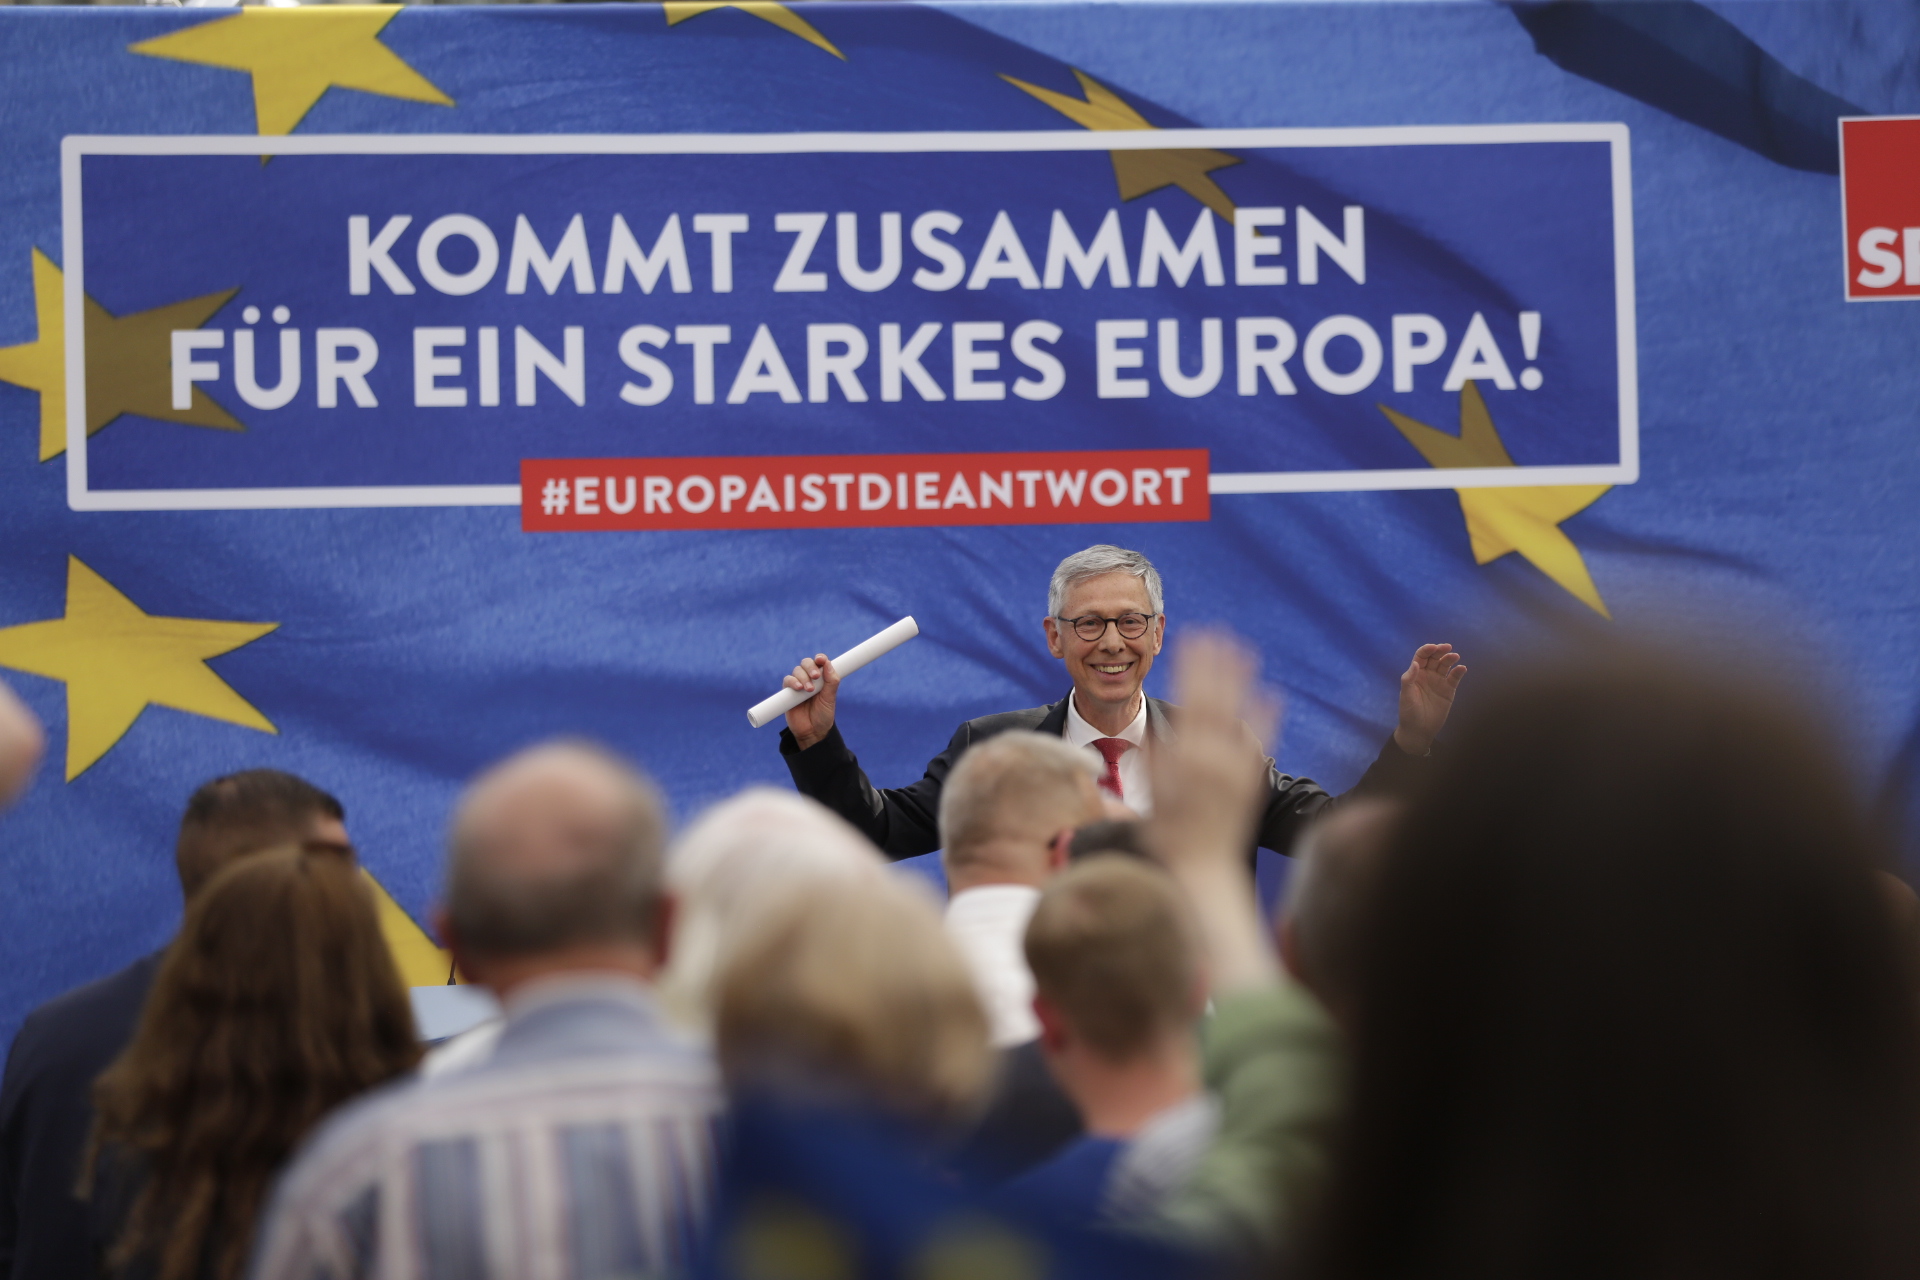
[
  {"x": 1426, "y": 696},
  {"x": 811, "y": 720}
]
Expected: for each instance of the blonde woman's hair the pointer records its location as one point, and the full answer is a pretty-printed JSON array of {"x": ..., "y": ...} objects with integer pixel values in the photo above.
[
  {"x": 742, "y": 858},
  {"x": 853, "y": 991}
]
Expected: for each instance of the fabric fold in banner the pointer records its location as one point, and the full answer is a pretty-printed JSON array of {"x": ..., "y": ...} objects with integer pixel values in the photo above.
[{"x": 863, "y": 490}]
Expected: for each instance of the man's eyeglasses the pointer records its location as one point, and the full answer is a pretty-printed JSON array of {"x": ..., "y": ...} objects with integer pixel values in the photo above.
[{"x": 1092, "y": 626}]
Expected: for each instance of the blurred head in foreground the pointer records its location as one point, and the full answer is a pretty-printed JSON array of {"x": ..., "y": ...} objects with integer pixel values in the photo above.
[
  {"x": 1124, "y": 836},
  {"x": 1009, "y": 809},
  {"x": 254, "y": 809},
  {"x": 852, "y": 993},
  {"x": 277, "y": 1002},
  {"x": 22, "y": 742},
  {"x": 1117, "y": 990},
  {"x": 741, "y": 858},
  {"x": 1631, "y": 1000},
  {"x": 555, "y": 865},
  {"x": 1335, "y": 863}
]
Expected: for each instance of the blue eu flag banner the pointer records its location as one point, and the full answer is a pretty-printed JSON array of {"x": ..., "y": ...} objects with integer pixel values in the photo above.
[{"x": 389, "y": 388}]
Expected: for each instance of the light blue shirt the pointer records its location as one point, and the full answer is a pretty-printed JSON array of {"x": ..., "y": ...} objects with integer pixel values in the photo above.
[{"x": 582, "y": 1148}]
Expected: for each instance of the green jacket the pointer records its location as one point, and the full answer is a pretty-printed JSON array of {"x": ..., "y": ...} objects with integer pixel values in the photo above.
[{"x": 1273, "y": 1058}]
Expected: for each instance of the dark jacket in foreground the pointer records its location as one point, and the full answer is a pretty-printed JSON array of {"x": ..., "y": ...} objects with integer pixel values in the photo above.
[
  {"x": 46, "y": 1115},
  {"x": 904, "y": 821}
]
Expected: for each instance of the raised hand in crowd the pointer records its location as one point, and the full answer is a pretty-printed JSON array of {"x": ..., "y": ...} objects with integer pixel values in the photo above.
[
  {"x": 1271, "y": 1054},
  {"x": 1209, "y": 783}
]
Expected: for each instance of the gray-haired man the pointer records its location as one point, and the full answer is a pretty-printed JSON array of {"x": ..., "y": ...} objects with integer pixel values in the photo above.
[
  {"x": 1106, "y": 620},
  {"x": 584, "y": 1144}
]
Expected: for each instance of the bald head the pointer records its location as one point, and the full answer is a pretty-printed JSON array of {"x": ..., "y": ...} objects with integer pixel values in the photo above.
[
  {"x": 558, "y": 847},
  {"x": 1009, "y": 799}
]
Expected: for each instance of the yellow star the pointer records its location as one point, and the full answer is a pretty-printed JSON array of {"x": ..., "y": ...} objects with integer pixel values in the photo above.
[
  {"x": 779, "y": 15},
  {"x": 40, "y": 365},
  {"x": 1526, "y": 520},
  {"x": 117, "y": 659},
  {"x": 130, "y": 369},
  {"x": 421, "y": 964},
  {"x": 128, "y": 362},
  {"x": 297, "y": 54},
  {"x": 1139, "y": 172}
]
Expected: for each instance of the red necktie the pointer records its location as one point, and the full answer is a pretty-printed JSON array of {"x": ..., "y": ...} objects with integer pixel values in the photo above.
[{"x": 1111, "y": 749}]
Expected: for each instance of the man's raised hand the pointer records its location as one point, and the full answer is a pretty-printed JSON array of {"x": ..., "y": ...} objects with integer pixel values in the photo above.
[
  {"x": 812, "y": 718},
  {"x": 1426, "y": 696}
]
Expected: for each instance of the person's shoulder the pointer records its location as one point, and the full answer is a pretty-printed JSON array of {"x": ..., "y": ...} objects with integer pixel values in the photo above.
[
  {"x": 93, "y": 1018},
  {"x": 676, "y": 1075},
  {"x": 339, "y": 1157},
  {"x": 356, "y": 1142},
  {"x": 670, "y": 1074},
  {"x": 354, "y": 1129},
  {"x": 1002, "y": 721},
  {"x": 1069, "y": 1182},
  {"x": 117, "y": 990}
]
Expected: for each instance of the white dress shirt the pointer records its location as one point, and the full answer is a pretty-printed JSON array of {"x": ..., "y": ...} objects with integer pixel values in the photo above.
[
  {"x": 1134, "y": 792},
  {"x": 989, "y": 925}
]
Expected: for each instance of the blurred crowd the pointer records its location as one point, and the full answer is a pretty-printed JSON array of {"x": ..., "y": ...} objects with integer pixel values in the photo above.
[{"x": 1623, "y": 988}]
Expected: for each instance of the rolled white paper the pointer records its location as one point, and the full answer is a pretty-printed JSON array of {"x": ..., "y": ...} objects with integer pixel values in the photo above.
[{"x": 846, "y": 664}]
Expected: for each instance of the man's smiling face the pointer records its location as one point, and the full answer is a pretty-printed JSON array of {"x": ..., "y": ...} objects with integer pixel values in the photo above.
[{"x": 1107, "y": 672}]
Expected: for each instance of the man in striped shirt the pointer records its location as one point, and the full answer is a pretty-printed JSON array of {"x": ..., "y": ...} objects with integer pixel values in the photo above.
[{"x": 583, "y": 1147}]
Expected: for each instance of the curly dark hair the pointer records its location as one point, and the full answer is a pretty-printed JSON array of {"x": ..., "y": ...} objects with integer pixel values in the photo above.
[{"x": 278, "y": 1001}]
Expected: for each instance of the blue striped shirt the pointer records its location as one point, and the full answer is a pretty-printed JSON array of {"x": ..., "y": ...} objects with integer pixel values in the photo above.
[{"x": 582, "y": 1149}]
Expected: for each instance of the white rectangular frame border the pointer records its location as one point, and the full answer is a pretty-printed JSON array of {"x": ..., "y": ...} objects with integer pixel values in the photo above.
[{"x": 73, "y": 147}]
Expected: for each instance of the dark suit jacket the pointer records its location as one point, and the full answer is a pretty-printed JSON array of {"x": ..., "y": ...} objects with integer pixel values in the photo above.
[
  {"x": 46, "y": 1115},
  {"x": 904, "y": 821}
]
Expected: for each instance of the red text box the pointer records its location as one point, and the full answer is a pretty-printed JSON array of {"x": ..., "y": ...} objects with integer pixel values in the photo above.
[
  {"x": 1880, "y": 200},
  {"x": 863, "y": 490}
]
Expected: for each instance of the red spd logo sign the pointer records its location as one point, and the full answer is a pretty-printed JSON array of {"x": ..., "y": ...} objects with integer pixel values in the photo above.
[{"x": 1880, "y": 204}]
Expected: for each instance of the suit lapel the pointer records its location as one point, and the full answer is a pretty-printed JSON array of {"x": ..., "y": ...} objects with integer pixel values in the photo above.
[
  {"x": 1054, "y": 723},
  {"x": 1159, "y": 723}
]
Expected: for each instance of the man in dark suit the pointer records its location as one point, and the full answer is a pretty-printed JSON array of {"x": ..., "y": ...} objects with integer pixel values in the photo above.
[
  {"x": 1106, "y": 621},
  {"x": 46, "y": 1106}
]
